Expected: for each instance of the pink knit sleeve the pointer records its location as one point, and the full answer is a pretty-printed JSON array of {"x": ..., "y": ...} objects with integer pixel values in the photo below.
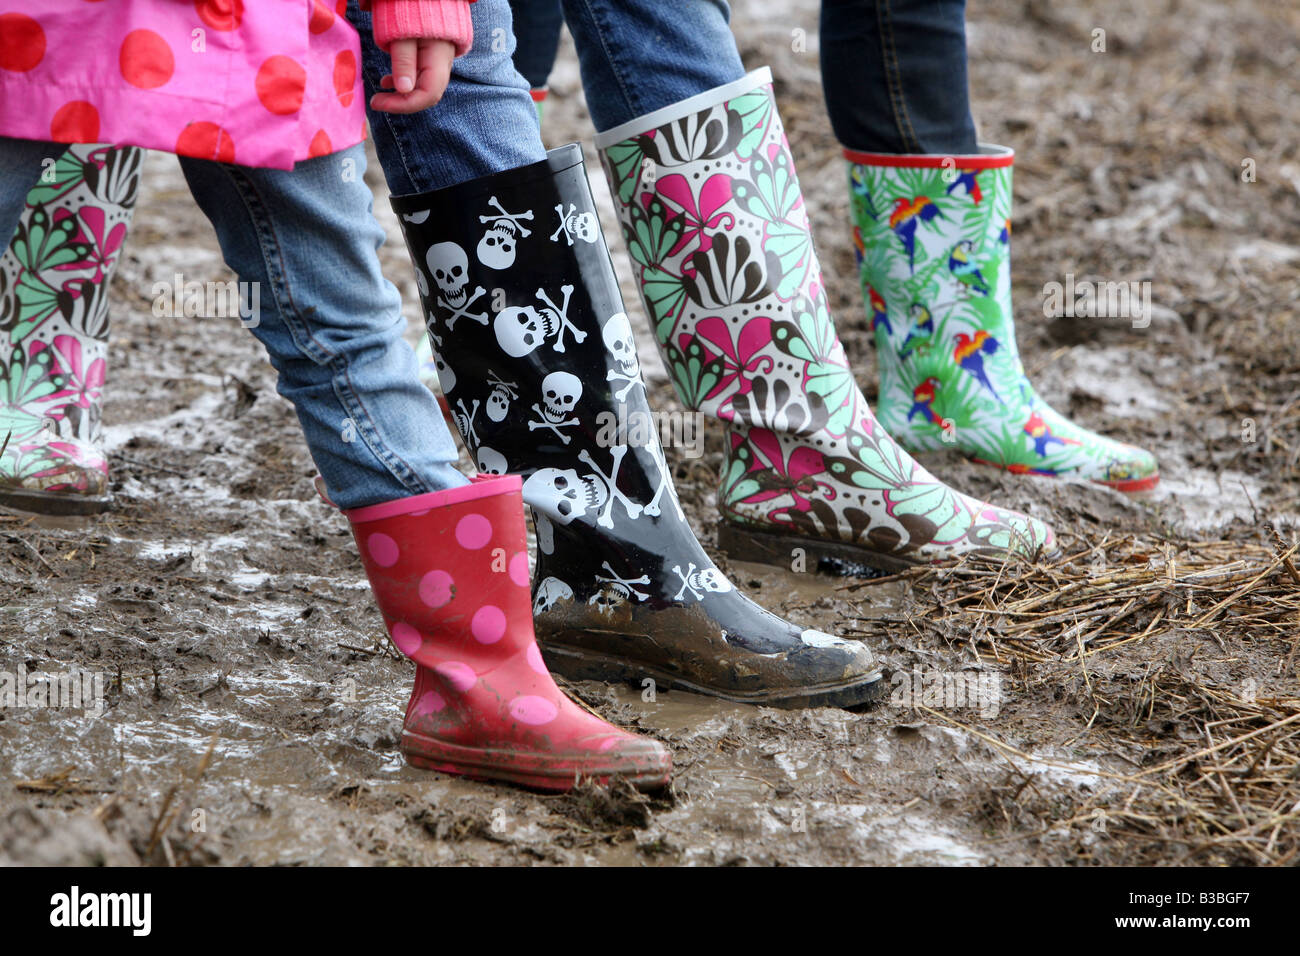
[{"x": 423, "y": 19}]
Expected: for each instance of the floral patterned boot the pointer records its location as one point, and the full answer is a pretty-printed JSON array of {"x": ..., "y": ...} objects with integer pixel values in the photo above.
[
  {"x": 933, "y": 235},
  {"x": 54, "y": 281},
  {"x": 717, "y": 230}
]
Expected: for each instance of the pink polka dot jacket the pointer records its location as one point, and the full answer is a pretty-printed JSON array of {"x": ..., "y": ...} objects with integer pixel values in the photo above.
[{"x": 254, "y": 82}]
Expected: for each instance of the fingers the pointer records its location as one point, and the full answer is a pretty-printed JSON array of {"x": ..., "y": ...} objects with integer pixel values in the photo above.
[
  {"x": 435, "y": 64},
  {"x": 430, "y": 72},
  {"x": 404, "y": 53}
]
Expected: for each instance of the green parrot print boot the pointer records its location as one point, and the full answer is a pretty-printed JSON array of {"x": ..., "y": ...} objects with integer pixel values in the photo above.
[
  {"x": 54, "y": 280},
  {"x": 719, "y": 238},
  {"x": 933, "y": 240}
]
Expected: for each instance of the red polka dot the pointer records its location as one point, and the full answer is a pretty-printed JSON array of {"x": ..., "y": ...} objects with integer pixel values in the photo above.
[
  {"x": 341, "y": 8},
  {"x": 345, "y": 76},
  {"x": 320, "y": 145},
  {"x": 281, "y": 82},
  {"x": 488, "y": 625},
  {"x": 406, "y": 638},
  {"x": 146, "y": 60},
  {"x": 519, "y": 569},
  {"x": 473, "y": 532},
  {"x": 430, "y": 702},
  {"x": 534, "y": 710},
  {"x": 220, "y": 14},
  {"x": 437, "y": 589},
  {"x": 383, "y": 549},
  {"x": 206, "y": 141},
  {"x": 322, "y": 17},
  {"x": 459, "y": 674},
  {"x": 22, "y": 42},
  {"x": 75, "y": 122}
]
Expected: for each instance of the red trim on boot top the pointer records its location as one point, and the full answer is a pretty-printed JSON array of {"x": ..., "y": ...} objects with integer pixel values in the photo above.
[
  {"x": 932, "y": 160},
  {"x": 481, "y": 486}
]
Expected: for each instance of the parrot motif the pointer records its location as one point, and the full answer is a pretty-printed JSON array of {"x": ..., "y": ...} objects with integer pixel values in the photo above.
[
  {"x": 863, "y": 193},
  {"x": 1038, "y": 430},
  {"x": 923, "y": 401},
  {"x": 964, "y": 270},
  {"x": 970, "y": 352},
  {"x": 879, "y": 313},
  {"x": 921, "y": 332},
  {"x": 967, "y": 181},
  {"x": 907, "y": 215}
]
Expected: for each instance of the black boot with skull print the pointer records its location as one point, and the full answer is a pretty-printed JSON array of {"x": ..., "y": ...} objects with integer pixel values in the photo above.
[{"x": 540, "y": 370}]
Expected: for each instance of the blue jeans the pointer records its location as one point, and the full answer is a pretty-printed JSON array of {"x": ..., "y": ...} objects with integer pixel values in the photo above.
[
  {"x": 894, "y": 75},
  {"x": 484, "y": 123},
  {"x": 537, "y": 30},
  {"x": 330, "y": 322},
  {"x": 636, "y": 56}
]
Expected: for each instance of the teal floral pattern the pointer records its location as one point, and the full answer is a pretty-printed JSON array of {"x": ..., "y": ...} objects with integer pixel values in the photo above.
[
  {"x": 719, "y": 237},
  {"x": 54, "y": 321}
]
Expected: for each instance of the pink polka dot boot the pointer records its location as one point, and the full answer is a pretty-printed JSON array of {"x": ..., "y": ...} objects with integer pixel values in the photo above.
[{"x": 450, "y": 574}]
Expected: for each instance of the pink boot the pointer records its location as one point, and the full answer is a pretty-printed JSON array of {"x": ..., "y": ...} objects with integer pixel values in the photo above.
[{"x": 450, "y": 574}]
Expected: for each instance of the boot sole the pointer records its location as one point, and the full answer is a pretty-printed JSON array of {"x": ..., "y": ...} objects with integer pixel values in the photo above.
[
  {"x": 576, "y": 663},
  {"x": 49, "y": 503},
  {"x": 1132, "y": 486},
  {"x": 1128, "y": 486},
  {"x": 831, "y": 557},
  {"x": 477, "y": 763}
]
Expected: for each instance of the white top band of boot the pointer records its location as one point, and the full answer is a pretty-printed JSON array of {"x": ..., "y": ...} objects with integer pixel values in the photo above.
[{"x": 692, "y": 104}]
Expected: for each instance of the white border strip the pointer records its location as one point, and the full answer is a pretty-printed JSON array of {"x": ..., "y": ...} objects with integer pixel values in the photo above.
[
  {"x": 985, "y": 149},
  {"x": 692, "y": 104}
]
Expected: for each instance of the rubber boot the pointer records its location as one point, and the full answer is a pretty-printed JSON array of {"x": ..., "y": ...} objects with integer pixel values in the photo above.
[
  {"x": 542, "y": 377},
  {"x": 717, "y": 230},
  {"x": 933, "y": 240},
  {"x": 54, "y": 280},
  {"x": 450, "y": 574}
]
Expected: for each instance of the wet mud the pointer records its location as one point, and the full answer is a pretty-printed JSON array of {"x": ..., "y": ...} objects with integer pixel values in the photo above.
[{"x": 252, "y": 705}]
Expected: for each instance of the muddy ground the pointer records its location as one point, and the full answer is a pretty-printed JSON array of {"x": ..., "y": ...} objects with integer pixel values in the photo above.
[{"x": 253, "y": 705}]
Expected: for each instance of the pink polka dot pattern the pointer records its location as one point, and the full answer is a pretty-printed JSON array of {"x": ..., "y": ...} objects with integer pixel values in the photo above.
[
  {"x": 460, "y": 675},
  {"x": 473, "y": 532},
  {"x": 430, "y": 702},
  {"x": 519, "y": 569},
  {"x": 452, "y": 580},
  {"x": 383, "y": 549},
  {"x": 406, "y": 638},
  {"x": 437, "y": 589},
  {"x": 488, "y": 624},
  {"x": 533, "y": 710},
  {"x": 534, "y": 657}
]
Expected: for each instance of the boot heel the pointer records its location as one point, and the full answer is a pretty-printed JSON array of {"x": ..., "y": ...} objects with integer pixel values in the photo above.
[
  {"x": 53, "y": 503},
  {"x": 828, "y": 557},
  {"x": 574, "y": 663}
]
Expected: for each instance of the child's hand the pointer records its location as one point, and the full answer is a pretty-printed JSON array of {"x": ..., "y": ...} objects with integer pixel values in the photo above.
[{"x": 421, "y": 69}]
